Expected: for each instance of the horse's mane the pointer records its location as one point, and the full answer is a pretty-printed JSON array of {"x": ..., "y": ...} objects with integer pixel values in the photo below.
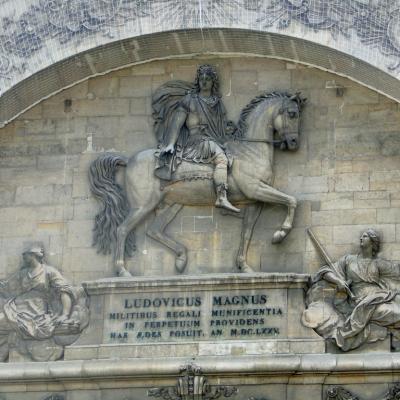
[{"x": 242, "y": 124}]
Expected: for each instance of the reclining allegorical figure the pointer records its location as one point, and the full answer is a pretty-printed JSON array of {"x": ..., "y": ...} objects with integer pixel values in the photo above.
[
  {"x": 40, "y": 312},
  {"x": 355, "y": 300}
]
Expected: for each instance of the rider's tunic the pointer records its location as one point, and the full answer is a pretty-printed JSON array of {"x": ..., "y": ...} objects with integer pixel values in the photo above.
[{"x": 206, "y": 124}]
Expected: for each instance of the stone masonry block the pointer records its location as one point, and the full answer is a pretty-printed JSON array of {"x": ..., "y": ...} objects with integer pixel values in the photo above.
[
  {"x": 86, "y": 260},
  {"x": 352, "y": 116},
  {"x": 7, "y": 196},
  {"x": 347, "y": 150},
  {"x": 343, "y": 217},
  {"x": 140, "y": 106},
  {"x": 274, "y": 80},
  {"x": 19, "y": 162},
  {"x": 308, "y": 78},
  {"x": 324, "y": 235},
  {"x": 37, "y": 213},
  {"x": 11, "y": 229},
  {"x": 80, "y": 233},
  {"x": 337, "y": 201},
  {"x": 80, "y": 186},
  {"x": 388, "y": 215},
  {"x": 351, "y": 182},
  {"x": 104, "y": 86},
  {"x": 149, "y": 69},
  {"x": 244, "y": 82},
  {"x": 394, "y": 199},
  {"x": 385, "y": 180},
  {"x": 34, "y": 195},
  {"x": 101, "y": 107},
  {"x": 350, "y": 234},
  {"x": 85, "y": 209},
  {"x": 371, "y": 199},
  {"x": 308, "y": 184},
  {"x": 135, "y": 86},
  {"x": 57, "y": 162},
  {"x": 105, "y": 126}
]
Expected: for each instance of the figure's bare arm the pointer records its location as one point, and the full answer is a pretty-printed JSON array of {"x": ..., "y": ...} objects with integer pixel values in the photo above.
[
  {"x": 177, "y": 123},
  {"x": 66, "y": 302},
  {"x": 341, "y": 284}
]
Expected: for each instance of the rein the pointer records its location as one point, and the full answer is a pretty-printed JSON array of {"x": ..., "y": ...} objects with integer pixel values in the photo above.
[{"x": 274, "y": 142}]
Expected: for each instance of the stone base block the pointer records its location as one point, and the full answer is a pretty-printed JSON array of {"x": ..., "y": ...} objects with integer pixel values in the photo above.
[{"x": 216, "y": 314}]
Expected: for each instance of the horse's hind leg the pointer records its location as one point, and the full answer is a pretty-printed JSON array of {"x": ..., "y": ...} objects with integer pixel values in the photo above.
[
  {"x": 135, "y": 216},
  {"x": 268, "y": 194},
  {"x": 156, "y": 232},
  {"x": 251, "y": 215}
]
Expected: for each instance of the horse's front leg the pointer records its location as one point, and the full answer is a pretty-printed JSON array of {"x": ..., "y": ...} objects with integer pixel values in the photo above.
[
  {"x": 268, "y": 194},
  {"x": 251, "y": 215}
]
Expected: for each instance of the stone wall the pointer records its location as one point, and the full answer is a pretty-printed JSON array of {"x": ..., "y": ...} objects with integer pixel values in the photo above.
[{"x": 346, "y": 174}]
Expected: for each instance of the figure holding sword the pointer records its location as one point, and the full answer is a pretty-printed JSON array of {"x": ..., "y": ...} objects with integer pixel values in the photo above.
[
  {"x": 330, "y": 277},
  {"x": 372, "y": 307}
]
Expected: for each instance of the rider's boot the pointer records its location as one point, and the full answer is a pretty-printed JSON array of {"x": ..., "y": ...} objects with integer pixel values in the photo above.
[
  {"x": 222, "y": 199},
  {"x": 221, "y": 183}
]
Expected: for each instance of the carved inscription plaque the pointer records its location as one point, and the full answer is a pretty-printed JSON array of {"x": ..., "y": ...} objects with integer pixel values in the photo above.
[{"x": 195, "y": 315}]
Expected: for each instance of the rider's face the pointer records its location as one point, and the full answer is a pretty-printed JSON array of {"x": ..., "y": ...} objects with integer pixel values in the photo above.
[{"x": 205, "y": 82}]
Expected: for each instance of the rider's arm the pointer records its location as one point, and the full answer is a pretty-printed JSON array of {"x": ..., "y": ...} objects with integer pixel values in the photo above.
[{"x": 177, "y": 123}]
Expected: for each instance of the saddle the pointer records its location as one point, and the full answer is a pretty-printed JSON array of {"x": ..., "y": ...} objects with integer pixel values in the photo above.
[{"x": 188, "y": 171}]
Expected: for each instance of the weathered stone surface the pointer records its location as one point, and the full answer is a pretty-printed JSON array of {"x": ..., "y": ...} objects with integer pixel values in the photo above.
[
  {"x": 337, "y": 180},
  {"x": 218, "y": 314}
]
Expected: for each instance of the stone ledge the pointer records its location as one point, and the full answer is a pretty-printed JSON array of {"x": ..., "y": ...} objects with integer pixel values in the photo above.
[
  {"x": 130, "y": 368},
  {"x": 196, "y": 349},
  {"x": 276, "y": 280}
]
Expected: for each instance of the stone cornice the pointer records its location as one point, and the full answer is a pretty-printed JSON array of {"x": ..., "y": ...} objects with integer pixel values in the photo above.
[{"x": 287, "y": 365}]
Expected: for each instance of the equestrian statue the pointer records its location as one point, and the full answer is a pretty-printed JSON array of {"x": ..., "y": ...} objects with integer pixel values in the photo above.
[{"x": 202, "y": 159}]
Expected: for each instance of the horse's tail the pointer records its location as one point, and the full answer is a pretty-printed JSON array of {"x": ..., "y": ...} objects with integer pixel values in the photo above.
[{"x": 115, "y": 206}]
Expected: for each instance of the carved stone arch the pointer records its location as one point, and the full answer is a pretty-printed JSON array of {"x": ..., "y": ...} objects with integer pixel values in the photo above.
[{"x": 189, "y": 43}]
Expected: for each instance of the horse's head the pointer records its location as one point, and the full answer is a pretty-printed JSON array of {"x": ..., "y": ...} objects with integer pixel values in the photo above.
[{"x": 286, "y": 121}]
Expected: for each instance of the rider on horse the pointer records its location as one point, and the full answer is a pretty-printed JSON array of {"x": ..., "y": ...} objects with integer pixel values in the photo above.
[{"x": 193, "y": 127}]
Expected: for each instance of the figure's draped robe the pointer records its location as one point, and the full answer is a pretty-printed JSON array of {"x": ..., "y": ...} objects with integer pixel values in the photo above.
[
  {"x": 194, "y": 143},
  {"x": 375, "y": 284}
]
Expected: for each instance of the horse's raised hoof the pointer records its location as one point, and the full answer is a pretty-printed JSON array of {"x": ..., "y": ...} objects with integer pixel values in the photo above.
[
  {"x": 246, "y": 269},
  {"x": 243, "y": 266},
  {"x": 180, "y": 262},
  {"x": 280, "y": 235},
  {"x": 123, "y": 273}
]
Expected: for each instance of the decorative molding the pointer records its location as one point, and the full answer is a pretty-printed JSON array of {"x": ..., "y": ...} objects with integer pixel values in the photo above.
[
  {"x": 340, "y": 393},
  {"x": 55, "y": 397},
  {"x": 192, "y": 385}
]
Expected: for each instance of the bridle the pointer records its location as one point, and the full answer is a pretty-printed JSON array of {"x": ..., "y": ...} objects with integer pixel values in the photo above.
[{"x": 276, "y": 143}]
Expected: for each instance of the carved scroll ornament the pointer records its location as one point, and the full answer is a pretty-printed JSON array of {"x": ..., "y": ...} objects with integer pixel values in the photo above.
[
  {"x": 340, "y": 393},
  {"x": 192, "y": 385}
]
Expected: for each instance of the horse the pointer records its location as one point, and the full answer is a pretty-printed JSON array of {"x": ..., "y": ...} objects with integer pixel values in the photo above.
[{"x": 270, "y": 120}]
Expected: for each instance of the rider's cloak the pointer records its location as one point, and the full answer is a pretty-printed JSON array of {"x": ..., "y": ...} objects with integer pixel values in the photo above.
[{"x": 195, "y": 143}]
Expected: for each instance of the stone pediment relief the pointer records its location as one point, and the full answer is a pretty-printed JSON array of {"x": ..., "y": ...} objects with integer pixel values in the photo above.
[{"x": 201, "y": 159}]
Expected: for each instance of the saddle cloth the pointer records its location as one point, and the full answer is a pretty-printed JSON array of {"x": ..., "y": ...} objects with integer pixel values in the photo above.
[{"x": 188, "y": 171}]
